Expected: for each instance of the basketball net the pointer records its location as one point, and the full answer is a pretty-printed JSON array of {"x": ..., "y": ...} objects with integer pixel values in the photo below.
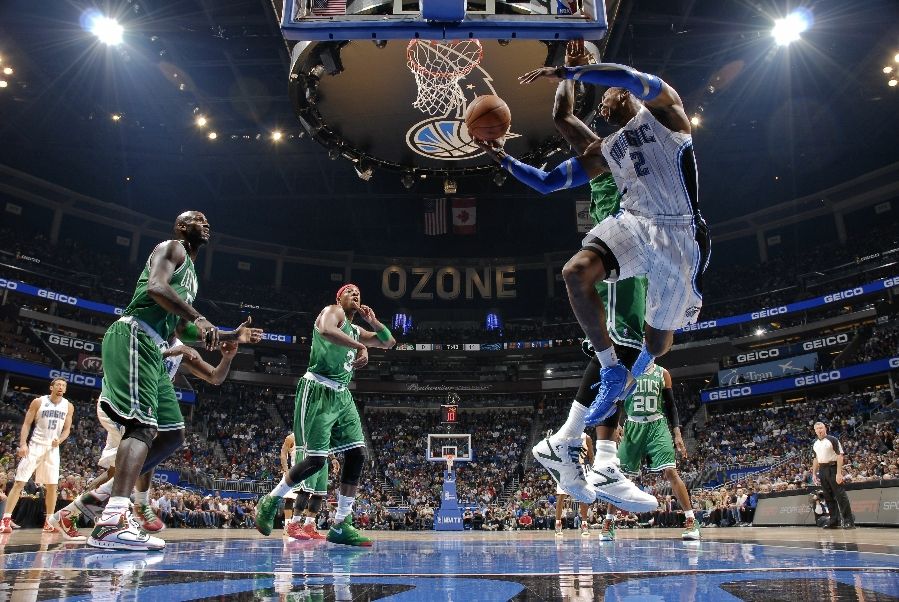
[
  {"x": 438, "y": 66},
  {"x": 449, "y": 462}
]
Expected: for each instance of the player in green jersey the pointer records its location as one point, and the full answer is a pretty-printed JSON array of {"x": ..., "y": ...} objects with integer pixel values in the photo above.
[
  {"x": 651, "y": 432},
  {"x": 622, "y": 305},
  {"x": 137, "y": 392},
  {"x": 325, "y": 416}
]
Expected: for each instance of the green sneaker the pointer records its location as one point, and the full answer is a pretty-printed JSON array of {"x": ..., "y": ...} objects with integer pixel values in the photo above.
[
  {"x": 346, "y": 534},
  {"x": 691, "y": 529},
  {"x": 266, "y": 509},
  {"x": 608, "y": 530}
]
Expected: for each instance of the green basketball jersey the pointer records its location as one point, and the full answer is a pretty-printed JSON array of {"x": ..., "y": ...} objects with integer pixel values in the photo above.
[
  {"x": 143, "y": 307},
  {"x": 647, "y": 397},
  {"x": 330, "y": 360},
  {"x": 605, "y": 200}
]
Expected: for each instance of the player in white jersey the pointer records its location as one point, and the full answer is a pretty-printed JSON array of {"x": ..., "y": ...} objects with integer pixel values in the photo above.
[
  {"x": 659, "y": 232},
  {"x": 51, "y": 416},
  {"x": 91, "y": 502}
]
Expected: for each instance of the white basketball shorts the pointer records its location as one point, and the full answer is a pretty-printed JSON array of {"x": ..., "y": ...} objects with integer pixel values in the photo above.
[
  {"x": 42, "y": 461},
  {"x": 114, "y": 432},
  {"x": 671, "y": 251}
]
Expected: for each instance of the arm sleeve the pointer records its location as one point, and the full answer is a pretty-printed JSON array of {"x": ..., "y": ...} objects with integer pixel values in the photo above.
[
  {"x": 642, "y": 85},
  {"x": 670, "y": 408},
  {"x": 569, "y": 174}
]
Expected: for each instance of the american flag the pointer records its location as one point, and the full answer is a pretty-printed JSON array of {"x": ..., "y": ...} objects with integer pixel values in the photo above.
[
  {"x": 328, "y": 8},
  {"x": 435, "y": 216}
]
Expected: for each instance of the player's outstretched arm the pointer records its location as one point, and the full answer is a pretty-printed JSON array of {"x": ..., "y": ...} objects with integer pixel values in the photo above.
[
  {"x": 568, "y": 174},
  {"x": 577, "y": 133},
  {"x": 381, "y": 337},
  {"x": 202, "y": 369}
]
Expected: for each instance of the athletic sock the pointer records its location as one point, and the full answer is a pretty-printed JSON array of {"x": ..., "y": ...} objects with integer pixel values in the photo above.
[
  {"x": 105, "y": 489},
  {"x": 116, "y": 506},
  {"x": 308, "y": 521},
  {"x": 281, "y": 489},
  {"x": 607, "y": 357},
  {"x": 142, "y": 497},
  {"x": 295, "y": 518},
  {"x": 604, "y": 453},
  {"x": 7, "y": 515},
  {"x": 574, "y": 426},
  {"x": 689, "y": 514},
  {"x": 344, "y": 508},
  {"x": 643, "y": 362}
]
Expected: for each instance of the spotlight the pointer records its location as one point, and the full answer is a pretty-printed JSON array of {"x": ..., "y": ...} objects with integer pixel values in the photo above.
[
  {"x": 8, "y": 71},
  {"x": 277, "y": 135},
  {"x": 759, "y": 331},
  {"x": 790, "y": 28},
  {"x": 364, "y": 170},
  {"x": 201, "y": 121},
  {"x": 116, "y": 117},
  {"x": 212, "y": 135},
  {"x": 108, "y": 30},
  {"x": 449, "y": 186},
  {"x": 408, "y": 180},
  {"x": 3, "y": 83},
  {"x": 887, "y": 70},
  {"x": 695, "y": 120},
  {"x": 896, "y": 58},
  {"x": 549, "y": 371},
  {"x": 499, "y": 177},
  {"x": 892, "y": 83}
]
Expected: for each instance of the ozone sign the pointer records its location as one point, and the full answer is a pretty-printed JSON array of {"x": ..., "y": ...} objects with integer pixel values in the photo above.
[{"x": 448, "y": 283}]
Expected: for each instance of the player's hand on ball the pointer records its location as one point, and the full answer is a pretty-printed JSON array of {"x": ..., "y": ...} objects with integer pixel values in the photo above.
[
  {"x": 493, "y": 148},
  {"x": 551, "y": 73},
  {"x": 22, "y": 451},
  {"x": 361, "y": 359}
]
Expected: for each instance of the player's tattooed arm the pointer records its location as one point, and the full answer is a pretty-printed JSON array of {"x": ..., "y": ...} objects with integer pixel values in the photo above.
[{"x": 577, "y": 133}]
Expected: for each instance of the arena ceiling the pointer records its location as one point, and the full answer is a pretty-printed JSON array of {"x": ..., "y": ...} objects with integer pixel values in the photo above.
[{"x": 775, "y": 123}]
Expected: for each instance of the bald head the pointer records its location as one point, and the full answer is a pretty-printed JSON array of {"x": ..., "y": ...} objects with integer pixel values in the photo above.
[{"x": 192, "y": 227}]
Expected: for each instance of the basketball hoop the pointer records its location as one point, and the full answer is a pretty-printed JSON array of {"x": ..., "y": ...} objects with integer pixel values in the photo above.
[
  {"x": 438, "y": 66},
  {"x": 449, "y": 461}
]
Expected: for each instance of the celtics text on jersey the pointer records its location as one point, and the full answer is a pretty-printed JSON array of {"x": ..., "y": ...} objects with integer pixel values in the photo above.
[{"x": 646, "y": 399}]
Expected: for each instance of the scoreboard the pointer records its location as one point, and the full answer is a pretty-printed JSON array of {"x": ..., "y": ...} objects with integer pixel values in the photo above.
[{"x": 449, "y": 414}]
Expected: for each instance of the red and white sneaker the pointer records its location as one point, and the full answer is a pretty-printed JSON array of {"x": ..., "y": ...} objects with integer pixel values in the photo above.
[
  {"x": 295, "y": 531},
  {"x": 121, "y": 532},
  {"x": 311, "y": 532},
  {"x": 48, "y": 528},
  {"x": 63, "y": 522},
  {"x": 6, "y": 525},
  {"x": 146, "y": 517}
]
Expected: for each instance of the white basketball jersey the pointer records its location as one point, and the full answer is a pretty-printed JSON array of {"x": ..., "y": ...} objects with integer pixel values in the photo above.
[
  {"x": 49, "y": 420},
  {"x": 654, "y": 168},
  {"x": 173, "y": 363}
]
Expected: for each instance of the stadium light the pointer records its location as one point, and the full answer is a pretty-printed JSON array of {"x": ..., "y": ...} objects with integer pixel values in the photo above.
[
  {"x": 212, "y": 135},
  {"x": 108, "y": 30},
  {"x": 8, "y": 71},
  {"x": 790, "y": 28},
  {"x": 759, "y": 331},
  {"x": 201, "y": 121},
  {"x": 892, "y": 83},
  {"x": 116, "y": 116},
  {"x": 887, "y": 69},
  {"x": 3, "y": 83},
  {"x": 896, "y": 58},
  {"x": 277, "y": 135},
  {"x": 695, "y": 121}
]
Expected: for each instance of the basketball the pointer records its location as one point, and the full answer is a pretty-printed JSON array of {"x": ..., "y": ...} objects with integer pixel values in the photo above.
[{"x": 488, "y": 117}]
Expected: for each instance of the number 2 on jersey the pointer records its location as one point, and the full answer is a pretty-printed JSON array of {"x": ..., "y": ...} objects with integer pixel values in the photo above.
[
  {"x": 639, "y": 163},
  {"x": 648, "y": 403}
]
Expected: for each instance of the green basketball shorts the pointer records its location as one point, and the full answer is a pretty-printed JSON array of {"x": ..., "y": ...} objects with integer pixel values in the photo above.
[
  {"x": 325, "y": 419},
  {"x": 625, "y": 303},
  {"x": 650, "y": 440}
]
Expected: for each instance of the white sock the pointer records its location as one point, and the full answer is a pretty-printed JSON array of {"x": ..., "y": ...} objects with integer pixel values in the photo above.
[
  {"x": 309, "y": 521},
  {"x": 105, "y": 488},
  {"x": 607, "y": 357},
  {"x": 117, "y": 505},
  {"x": 689, "y": 514},
  {"x": 344, "y": 507},
  {"x": 281, "y": 489},
  {"x": 604, "y": 452},
  {"x": 610, "y": 516},
  {"x": 7, "y": 515},
  {"x": 296, "y": 519},
  {"x": 142, "y": 497},
  {"x": 574, "y": 426}
]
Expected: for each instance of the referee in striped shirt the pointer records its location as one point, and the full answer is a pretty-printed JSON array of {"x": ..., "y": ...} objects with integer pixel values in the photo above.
[{"x": 827, "y": 470}]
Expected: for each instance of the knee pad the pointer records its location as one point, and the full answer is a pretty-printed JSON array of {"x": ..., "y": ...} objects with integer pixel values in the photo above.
[
  {"x": 353, "y": 463},
  {"x": 143, "y": 433}
]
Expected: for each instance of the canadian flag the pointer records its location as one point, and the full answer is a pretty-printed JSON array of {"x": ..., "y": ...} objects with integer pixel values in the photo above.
[{"x": 465, "y": 216}]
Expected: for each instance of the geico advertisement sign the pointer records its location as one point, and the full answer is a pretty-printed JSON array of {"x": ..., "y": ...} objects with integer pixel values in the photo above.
[
  {"x": 64, "y": 341},
  {"x": 75, "y": 379},
  {"x": 730, "y": 393},
  {"x": 830, "y": 341},
  {"x": 764, "y": 354},
  {"x": 814, "y": 379}
]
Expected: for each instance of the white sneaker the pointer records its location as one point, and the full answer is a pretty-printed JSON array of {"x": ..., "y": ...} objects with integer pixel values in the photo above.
[
  {"x": 122, "y": 534},
  {"x": 613, "y": 487},
  {"x": 559, "y": 455}
]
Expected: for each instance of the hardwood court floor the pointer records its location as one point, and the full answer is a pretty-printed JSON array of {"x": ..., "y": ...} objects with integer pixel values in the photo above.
[{"x": 753, "y": 564}]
